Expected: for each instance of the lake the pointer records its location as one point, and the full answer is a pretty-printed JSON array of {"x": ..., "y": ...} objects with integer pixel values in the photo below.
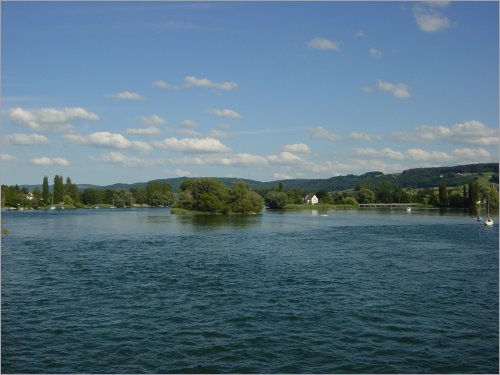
[{"x": 144, "y": 291}]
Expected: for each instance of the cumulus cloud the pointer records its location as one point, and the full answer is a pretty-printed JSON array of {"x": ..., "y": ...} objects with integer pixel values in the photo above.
[
  {"x": 149, "y": 131},
  {"x": 164, "y": 85},
  {"x": 123, "y": 160},
  {"x": 50, "y": 119},
  {"x": 202, "y": 145},
  {"x": 108, "y": 140},
  {"x": 360, "y": 34},
  {"x": 204, "y": 82},
  {"x": 153, "y": 120},
  {"x": 46, "y": 161},
  {"x": 384, "y": 153},
  {"x": 182, "y": 172},
  {"x": 298, "y": 148},
  {"x": 127, "y": 95},
  {"x": 227, "y": 113},
  {"x": 419, "y": 154},
  {"x": 27, "y": 139},
  {"x": 285, "y": 158},
  {"x": 7, "y": 157},
  {"x": 429, "y": 19},
  {"x": 375, "y": 53},
  {"x": 474, "y": 132},
  {"x": 320, "y": 132},
  {"x": 472, "y": 154},
  {"x": 360, "y": 136},
  {"x": 324, "y": 44},
  {"x": 399, "y": 90},
  {"x": 188, "y": 124},
  {"x": 190, "y": 133}
]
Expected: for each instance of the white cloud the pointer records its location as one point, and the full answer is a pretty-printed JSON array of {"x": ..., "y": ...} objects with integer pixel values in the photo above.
[
  {"x": 282, "y": 176},
  {"x": 429, "y": 19},
  {"x": 108, "y": 140},
  {"x": 182, "y": 173},
  {"x": 320, "y": 132},
  {"x": 323, "y": 44},
  {"x": 473, "y": 154},
  {"x": 208, "y": 145},
  {"x": 284, "y": 158},
  {"x": 360, "y": 34},
  {"x": 243, "y": 160},
  {"x": 204, "y": 82},
  {"x": 27, "y": 139},
  {"x": 360, "y": 136},
  {"x": 7, "y": 157},
  {"x": 367, "y": 89},
  {"x": 190, "y": 133},
  {"x": 50, "y": 119},
  {"x": 217, "y": 133},
  {"x": 227, "y": 113},
  {"x": 436, "y": 156},
  {"x": 375, "y": 53},
  {"x": 299, "y": 148},
  {"x": 126, "y": 95},
  {"x": 399, "y": 90},
  {"x": 384, "y": 153},
  {"x": 150, "y": 131},
  {"x": 123, "y": 160},
  {"x": 153, "y": 120},
  {"x": 46, "y": 161},
  {"x": 474, "y": 132},
  {"x": 164, "y": 85},
  {"x": 188, "y": 124}
]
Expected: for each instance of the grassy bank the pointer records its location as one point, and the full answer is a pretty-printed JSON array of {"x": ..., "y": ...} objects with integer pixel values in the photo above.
[{"x": 320, "y": 206}]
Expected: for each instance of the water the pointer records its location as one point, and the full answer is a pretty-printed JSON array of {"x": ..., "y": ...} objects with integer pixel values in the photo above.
[{"x": 143, "y": 291}]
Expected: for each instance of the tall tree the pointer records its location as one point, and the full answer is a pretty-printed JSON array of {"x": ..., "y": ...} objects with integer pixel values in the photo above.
[
  {"x": 58, "y": 189},
  {"x": 473, "y": 192},
  {"x": 443, "y": 195},
  {"x": 45, "y": 190}
]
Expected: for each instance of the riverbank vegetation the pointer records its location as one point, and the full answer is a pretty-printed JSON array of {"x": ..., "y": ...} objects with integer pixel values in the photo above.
[{"x": 215, "y": 196}]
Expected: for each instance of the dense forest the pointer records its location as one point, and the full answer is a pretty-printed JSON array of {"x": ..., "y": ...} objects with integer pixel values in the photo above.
[{"x": 460, "y": 186}]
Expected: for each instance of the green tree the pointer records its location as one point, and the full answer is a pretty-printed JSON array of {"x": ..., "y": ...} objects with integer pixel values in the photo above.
[
  {"x": 365, "y": 196},
  {"x": 243, "y": 200},
  {"x": 45, "y": 190},
  {"x": 140, "y": 195},
  {"x": 276, "y": 199},
  {"x": 58, "y": 189},
  {"x": 159, "y": 194},
  {"x": 123, "y": 198},
  {"x": 474, "y": 192},
  {"x": 443, "y": 195}
]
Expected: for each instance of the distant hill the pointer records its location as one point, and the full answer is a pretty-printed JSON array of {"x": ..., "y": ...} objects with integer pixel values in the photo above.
[{"x": 408, "y": 179}]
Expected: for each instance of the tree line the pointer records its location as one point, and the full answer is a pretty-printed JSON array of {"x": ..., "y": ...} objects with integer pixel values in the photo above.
[
  {"x": 67, "y": 194},
  {"x": 211, "y": 195}
]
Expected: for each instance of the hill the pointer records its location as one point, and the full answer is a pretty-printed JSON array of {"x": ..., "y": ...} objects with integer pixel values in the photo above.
[{"x": 416, "y": 178}]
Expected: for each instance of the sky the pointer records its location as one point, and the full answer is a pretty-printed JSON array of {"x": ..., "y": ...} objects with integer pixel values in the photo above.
[{"x": 108, "y": 92}]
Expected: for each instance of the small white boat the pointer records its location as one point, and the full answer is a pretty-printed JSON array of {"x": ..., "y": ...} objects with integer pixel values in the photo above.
[
  {"x": 408, "y": 209},
  {"x": 489, "y": 221},
  {"x": 52, "y": 207}
]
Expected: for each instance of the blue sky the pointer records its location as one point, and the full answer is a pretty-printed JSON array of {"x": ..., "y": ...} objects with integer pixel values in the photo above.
[{"x": 133, "y": 91}]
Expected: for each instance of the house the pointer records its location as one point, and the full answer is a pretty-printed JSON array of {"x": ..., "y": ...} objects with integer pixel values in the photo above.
[{"x": 311, "y": 199}]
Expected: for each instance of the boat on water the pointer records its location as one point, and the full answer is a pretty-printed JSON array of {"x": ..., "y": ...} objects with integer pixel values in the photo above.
[
  {"x": 52, "y": 207},
  {"x": 408, "y": 209},
  {"x": 489, "y": 221}
]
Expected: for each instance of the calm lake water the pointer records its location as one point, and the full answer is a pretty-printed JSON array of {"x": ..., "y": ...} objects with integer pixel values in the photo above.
[{"x": 144, "y": 291}]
